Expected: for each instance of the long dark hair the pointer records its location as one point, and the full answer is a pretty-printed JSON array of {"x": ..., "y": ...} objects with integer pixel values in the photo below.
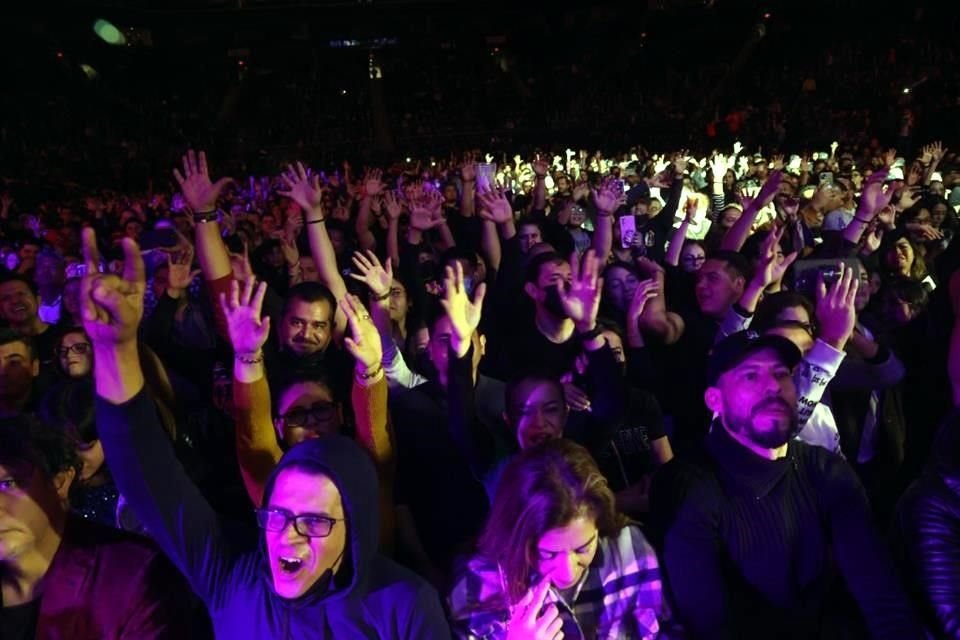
[{"x": 543, "y": 488}]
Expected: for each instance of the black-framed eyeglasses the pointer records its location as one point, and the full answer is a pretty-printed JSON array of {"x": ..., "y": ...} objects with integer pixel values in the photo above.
[
  {"x": 692, "y": 258},
  {"x": 321, "y": 413},
  {"x": 306, "y": 524},
  {"x": 79, "y": 348}
]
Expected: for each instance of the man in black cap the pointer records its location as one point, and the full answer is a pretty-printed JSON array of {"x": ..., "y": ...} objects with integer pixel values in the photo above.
[{"x": 762, "y": 532}]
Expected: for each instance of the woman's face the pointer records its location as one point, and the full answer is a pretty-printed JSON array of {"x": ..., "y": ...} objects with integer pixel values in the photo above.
[
  {"x": 620, "y": 285},
  {"x": 864, "y": 292},
  {"x": 75, "y": 355},
  {"x": 900, "y": 257},
  {"x": 91, "y": 455},
  {"x": 399, "y": 303},
  {"x": 938, "y": 214},
  {"x": 692, "y": 257},
  {"x": 729, "y": 216},
  {"x": 564, "y": 554}
]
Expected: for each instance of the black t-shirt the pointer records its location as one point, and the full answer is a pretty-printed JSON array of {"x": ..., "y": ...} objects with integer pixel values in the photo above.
[
  {"x": 20, "y": 622},
  {"x": 628, "y": 455},
  {"x": 526, "y": 349}
]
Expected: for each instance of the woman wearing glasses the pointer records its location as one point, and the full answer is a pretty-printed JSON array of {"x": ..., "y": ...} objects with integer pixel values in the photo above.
[{"x": 74, "y": 356}]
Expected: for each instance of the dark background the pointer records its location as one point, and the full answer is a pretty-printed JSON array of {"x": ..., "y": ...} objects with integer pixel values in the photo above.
[{"x": 261, "y": 82}]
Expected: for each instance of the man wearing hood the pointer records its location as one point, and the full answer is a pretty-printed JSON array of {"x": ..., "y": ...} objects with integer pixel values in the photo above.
[{"x": 315, "y": 572}]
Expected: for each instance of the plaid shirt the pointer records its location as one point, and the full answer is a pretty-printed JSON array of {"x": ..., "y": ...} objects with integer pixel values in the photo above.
[{"x": 620, "y": 597}]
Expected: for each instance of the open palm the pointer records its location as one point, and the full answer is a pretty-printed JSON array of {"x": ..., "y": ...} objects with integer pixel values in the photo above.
[
  {"x": 378, "y": 278},
  {"x": 303, "y": 187},
  {"x": 463, "y": 313},
  {"x": 199, "y": 192},
  {"x": 581, "y": 300},
  {"x": 248, "y": 331}
]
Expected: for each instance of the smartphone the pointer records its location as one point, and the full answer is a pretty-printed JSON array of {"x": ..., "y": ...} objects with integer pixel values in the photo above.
[
  {"x": 826, "y": 177},
  {"x": 628, "y": 229},
  {"x": 806, "y": 274},
  {"x": 486, "y": 175}
]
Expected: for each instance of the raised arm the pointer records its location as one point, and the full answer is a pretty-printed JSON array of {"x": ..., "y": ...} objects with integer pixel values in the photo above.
[
  {"x": 379, "y": 279},
  {"x": 608, "y": 198},
  {"x": 258, "y": 451},
  {"x": 468, "y": 176},
  {"x": 201, "y": 195},
  {"x": 496, "y": 211},
  {"x": 467, "y": 432},
  {"x": 734, "y": 238},
  {"x": 872, "y": 200},
  {"x": 369, "y": 399},
  {"x": 676, "y": 242},
  {"x": 303, "y": 187},
  {"x": 394, "y": 208},
  {"x": 769, "y": 270},
  {"x": 140, "y": 454},
  {"x": 372, "y": 187},
  {"x": 540, "y": 167}
]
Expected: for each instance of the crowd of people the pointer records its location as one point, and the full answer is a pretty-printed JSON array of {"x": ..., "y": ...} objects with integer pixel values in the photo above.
[{"x": 567, "y": 395}]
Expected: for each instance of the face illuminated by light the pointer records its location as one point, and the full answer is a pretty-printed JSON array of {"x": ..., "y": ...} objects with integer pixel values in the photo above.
[
  {"x": 538, "y": 414},
  {"x": 307, "y": 326},
  {"x": 296, "y": 560},
  {"x": 76, "y": 355},
  {"x": 307, "y": 410},
  {"x": 564, "y": 554},
  {"x": 757, "y": 400}
]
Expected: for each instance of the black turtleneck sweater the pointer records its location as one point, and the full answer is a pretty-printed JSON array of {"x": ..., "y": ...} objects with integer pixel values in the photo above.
[{"x": 758, "y": 548}]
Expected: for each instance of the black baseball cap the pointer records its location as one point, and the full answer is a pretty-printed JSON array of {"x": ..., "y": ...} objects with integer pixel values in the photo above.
[{"x": 737, "y": 347}]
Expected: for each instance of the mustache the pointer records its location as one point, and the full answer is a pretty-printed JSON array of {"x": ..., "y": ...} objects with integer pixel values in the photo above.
[{"x": 773, "y": 402}]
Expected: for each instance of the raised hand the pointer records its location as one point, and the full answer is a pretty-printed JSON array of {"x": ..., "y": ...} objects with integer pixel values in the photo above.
[
  {"x": 889, "y": 157},
  {"x": 526, "y": 621},
  {"x": 718, "y": 167},
  {"x": 372, "y": 182},
  {"x": 937, "y": 151},
  {"x": 426, "y": 211},
  {"x": 776, "y": 162},
  {"x": 494, "y": 206},
  {"x": 179, "y": 261},
  {"x": 769, "y": 189},
  {"x": 540, "y": 166},
  {"x": 303, "y": 187},
  {"x": 609, "y": 197},
  {"x": 393, "y": 205},
  {"x": 770, "y": 268},
  {"x": 111, "y": 306},
  {"x": 836, "y": 315},
  {"x": 463, "y": 313},
  {"x": 363, "y": 343},
  {"x": 645, "y": 291},
  {"x": 200, "y": 193},
  {"x": 737, "y": 148},
  {"x": 581, "y": 300},
  {"x": 248, "y": 331},
  {"x": 874, "y": 197},
  {"x": 468, "y": 170},
  {"x": 576, "y": 398},
  {"x": 788, "y": 207},
  {"x": 914, "y": 175},
  {"x": 377, "y": 277}
]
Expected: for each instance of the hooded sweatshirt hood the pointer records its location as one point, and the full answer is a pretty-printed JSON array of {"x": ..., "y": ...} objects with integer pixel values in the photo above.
[{"x": 351, "y": 470}]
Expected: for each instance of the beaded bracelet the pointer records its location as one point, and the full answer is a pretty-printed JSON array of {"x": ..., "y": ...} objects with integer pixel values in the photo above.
[{"x": 249, "y": 358}]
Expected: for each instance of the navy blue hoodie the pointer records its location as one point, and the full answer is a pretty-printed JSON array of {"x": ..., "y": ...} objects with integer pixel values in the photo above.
[{"x": 379, "y": 600}]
